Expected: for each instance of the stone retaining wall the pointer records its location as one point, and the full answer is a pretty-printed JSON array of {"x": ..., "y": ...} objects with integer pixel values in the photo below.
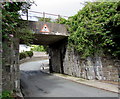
[
  {"x": 100, "y": 68},
  {"x": 63, "y": 60},
  {"x": 10, "y": 65}
]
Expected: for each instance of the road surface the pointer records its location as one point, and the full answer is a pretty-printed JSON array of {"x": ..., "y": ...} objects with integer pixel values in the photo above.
[{"x": 36, "y": 83}]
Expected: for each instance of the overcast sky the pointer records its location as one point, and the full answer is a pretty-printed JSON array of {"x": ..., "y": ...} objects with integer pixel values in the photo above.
[{"x": 59, "y": 7}]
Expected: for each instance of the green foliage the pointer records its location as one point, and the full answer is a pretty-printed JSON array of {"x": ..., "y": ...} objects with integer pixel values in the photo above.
[
  {"x": 95, "y": 29},
  {"x": 22, "y": 55},
  {"x": 11, "y": 23},
  {"x": 9, "y": 18},
  {"x": 29, "y": 53},
  {"x": 24, "y": 32},
  {"x": 38, "y": 48},
  {"x": 45, "y": 19},
  {"x": 6, "y": 95},
  {"x": 61, "y": 20},
  {"x": 25, "y": 54},
  {"x": 46, "y": 49}
]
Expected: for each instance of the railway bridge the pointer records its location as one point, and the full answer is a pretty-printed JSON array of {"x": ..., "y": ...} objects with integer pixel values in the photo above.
[{"x": 55, "y": 36}]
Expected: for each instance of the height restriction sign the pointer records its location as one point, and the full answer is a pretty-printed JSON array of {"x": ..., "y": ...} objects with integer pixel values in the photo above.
[{"x": 45, "y": 28}]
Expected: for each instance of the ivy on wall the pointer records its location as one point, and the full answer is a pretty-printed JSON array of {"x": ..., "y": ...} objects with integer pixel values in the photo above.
[
  {"x": 95, "y": 29},
  {"x": 12, "y": 25}
]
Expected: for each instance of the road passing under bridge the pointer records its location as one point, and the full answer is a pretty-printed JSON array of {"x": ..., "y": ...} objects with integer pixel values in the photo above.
[{"x": 36, "y": 83}]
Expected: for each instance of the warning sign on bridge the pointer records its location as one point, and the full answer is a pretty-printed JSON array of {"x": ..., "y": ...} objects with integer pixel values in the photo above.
[{"x": 45, "y": 29}]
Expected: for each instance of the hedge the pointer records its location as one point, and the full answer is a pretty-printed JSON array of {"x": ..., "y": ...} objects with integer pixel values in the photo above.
[
  {"x": 29, "y": 53},
  {"x": 25, "y": 54}
]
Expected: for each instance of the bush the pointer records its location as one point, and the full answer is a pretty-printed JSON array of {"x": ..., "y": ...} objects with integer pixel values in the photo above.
[
  {"x": 6, "y": 95},
  {"x": 25, "y": 54},
  {"x": 22, "y": 55},
  {"x": 29, "y": 53}
]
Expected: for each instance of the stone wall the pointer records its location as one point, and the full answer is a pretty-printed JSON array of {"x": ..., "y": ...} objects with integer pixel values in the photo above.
[
  {"x": 64, "y": 60},
  {"x": 111, "y": 68},
  {"x": 100, "y": 68},
  {"x": 0, "y": 74},
  {"x": 10, "y": 65},
  {"x": 57, "y": 54}
]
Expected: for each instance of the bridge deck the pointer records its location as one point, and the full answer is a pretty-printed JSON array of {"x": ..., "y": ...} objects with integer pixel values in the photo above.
[
  {"x": 45, "y": 39},
  {"x": 57, "y": 32}
]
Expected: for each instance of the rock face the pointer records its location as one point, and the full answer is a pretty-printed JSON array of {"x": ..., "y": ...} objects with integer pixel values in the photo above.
[{"x": 100, "y": 68}]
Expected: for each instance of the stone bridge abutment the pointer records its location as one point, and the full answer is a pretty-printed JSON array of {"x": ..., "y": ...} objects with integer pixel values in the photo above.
[{"x": 57, "y": 55}]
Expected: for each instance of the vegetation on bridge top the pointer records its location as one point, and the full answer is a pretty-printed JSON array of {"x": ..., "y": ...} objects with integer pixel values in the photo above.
[{"x": 95, "y": 29}]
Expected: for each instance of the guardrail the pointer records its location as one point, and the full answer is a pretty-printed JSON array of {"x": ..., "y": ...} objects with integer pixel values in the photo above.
[{"x": 43, "y": 15}]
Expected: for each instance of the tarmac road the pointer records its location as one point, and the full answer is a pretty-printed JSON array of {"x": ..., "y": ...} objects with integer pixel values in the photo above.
[{"x": 36, "y": 83}]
